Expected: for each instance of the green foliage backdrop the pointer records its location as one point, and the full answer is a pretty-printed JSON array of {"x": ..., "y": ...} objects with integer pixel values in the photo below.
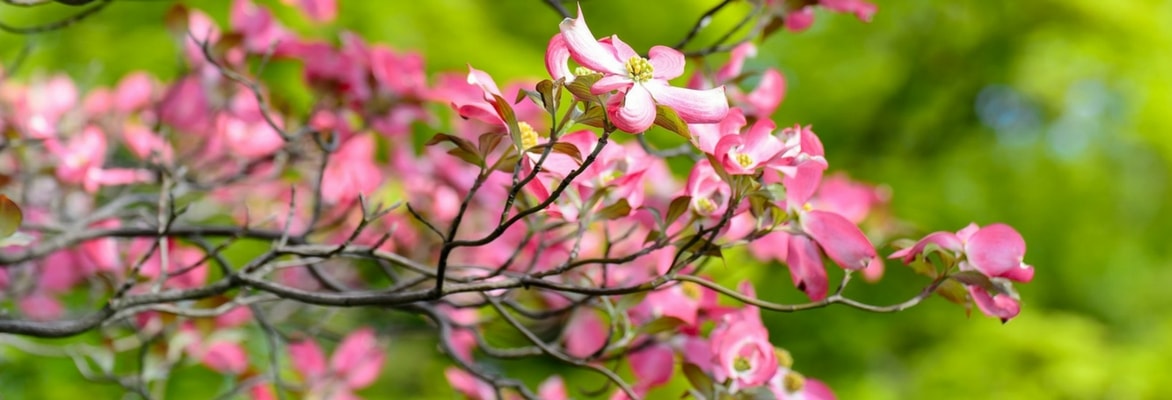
[{"x": 1052, "y": 115}]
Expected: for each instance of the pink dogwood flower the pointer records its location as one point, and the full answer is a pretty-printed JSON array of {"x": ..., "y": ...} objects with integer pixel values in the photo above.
[
  {"x": 745, "y": 153},
  {"x": 710, "y": 194},
  {"x": 356, "y": 364},
  {"x": 741, "y": 349},
  {"x": 642, "y": 83},
  {"x": 996, "y": 251}
]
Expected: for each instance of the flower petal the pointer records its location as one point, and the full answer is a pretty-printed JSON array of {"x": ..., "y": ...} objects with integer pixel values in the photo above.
[
  {"x": 805, "y": 267},
  {"x": 586, "y": 50},
  {"x": 667, "y": 62},
  {"x": 693, "y": 106},
  {"x": 770, "y": 91},
  {"x": 1002, "y": 305},
  {"x": 842, "y": 241},
  {"x": 633, "y": 111},
  {"x": 995, "y": 250},
  {"x": 611, "y": 83},
  {"x": 557, "y": 59}
]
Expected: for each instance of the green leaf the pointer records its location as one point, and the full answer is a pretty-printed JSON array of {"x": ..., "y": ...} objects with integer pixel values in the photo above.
[
  {"x": 580, "y": 88},
  {"x": 953, "y": 291},
  {"x": 465, "y": 150},
  {"x": 652, "y": 236},
  {"x": 973, "y": 278},
  {"x": 631, "y": 300},
  {"x": 508, "y": 163},
  {"x": 471, "y": 158},
  {"x": 569, "y": 150},
  {"x": 699, "y": 380},
  {"x": 10, "y": 216},
  {"x": 488, "y": 142},
  {"x": 662, "y": 324},
  {"x": 755, "y": 393},
  {"x": 617, "y": 210},
  {"x": 594, "y": 116},
  {"x": 677, "y": 208},
  {"x": 550, "y": 95},
  {"x": 667, "y": 118}
]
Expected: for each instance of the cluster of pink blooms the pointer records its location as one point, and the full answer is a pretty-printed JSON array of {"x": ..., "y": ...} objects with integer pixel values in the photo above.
[{"x": 242, "y": 158}]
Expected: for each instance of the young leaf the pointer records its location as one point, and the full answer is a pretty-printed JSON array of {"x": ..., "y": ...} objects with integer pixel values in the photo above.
[
  {"x": 593, "y": 116},
  {"x": 953, "y": 291},
  {"x": 677, "y": 208},
  {"x": 581, "y": 85},
  {"x": 667, "y": 118},
  {"x": 489, "y": 141},
  {"x": 10, "y": 216},
  {"x": 699, "y": 380},
  {"x": 617, "y": 210},
  {"x": 661, "y": 324},
  {"x": 465, "y": 150}
]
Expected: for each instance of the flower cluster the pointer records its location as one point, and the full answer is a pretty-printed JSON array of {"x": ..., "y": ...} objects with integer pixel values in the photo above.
[{"x": 210, "y": 209}]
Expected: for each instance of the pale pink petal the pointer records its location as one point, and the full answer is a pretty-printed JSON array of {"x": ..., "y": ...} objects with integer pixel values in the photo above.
[
  {"x": 814, "y": 389},
  {"x": 995, "y": 250},
  {"x": 553, "y": 388},
  {"x": 693, "y": 106},
  {"x": 226, "y": 358},
  {"x": 799, "y": 20},
  {"x": 586, "y": 50},
  {"x": 308, "y": 359},
  {"x": 557, "y": 59},
  {"x": 469, "y": 385},
  {"x": 133, "y": 92},
  {"x": 736, "y": 60},
  {"x": 482, "y": 80},
  {"x": 862, "y": 9},
  {"x": 805, "y": 267},
  {"x": 666, "y": 62},
  {"x": 800, "y": 187},
  {"x": 842, "y": 241},
  {"x": 585, "y": 334},
  {"x": 1001, "y": 306},
  {"x": 611, "y": 83},
  {"x": 622, "y": 50},
  {"x": 40, "y": 307},
  {"x": 633, "y": 111},
  {"x": 653, "y": 365},
  {"x": 946, "y": 240},
  {"x": 358, "y": 358},
  {"x": 768, "y": 95}
]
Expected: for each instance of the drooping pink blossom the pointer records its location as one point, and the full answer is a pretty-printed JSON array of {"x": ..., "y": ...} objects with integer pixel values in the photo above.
[{"x": 996, "y": 251}]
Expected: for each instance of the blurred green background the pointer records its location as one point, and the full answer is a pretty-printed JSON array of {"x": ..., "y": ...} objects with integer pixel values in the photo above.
[{"x": 1050, "y": 115}]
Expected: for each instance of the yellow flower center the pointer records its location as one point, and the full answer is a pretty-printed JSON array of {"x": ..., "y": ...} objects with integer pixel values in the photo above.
[
  {"x": 794, "y": 382},
  {"x": 807, "y": 207},
  {"x": 639, "y": 69},
  {"x": 528, "y": 135},
  {"x": 610, "y": 177},
  {"x": 784, "y": 359},
  {"x": 741, "y": 364},
  {"x": 705, "y": 205},
  {"x": 742, "y": 159}
]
